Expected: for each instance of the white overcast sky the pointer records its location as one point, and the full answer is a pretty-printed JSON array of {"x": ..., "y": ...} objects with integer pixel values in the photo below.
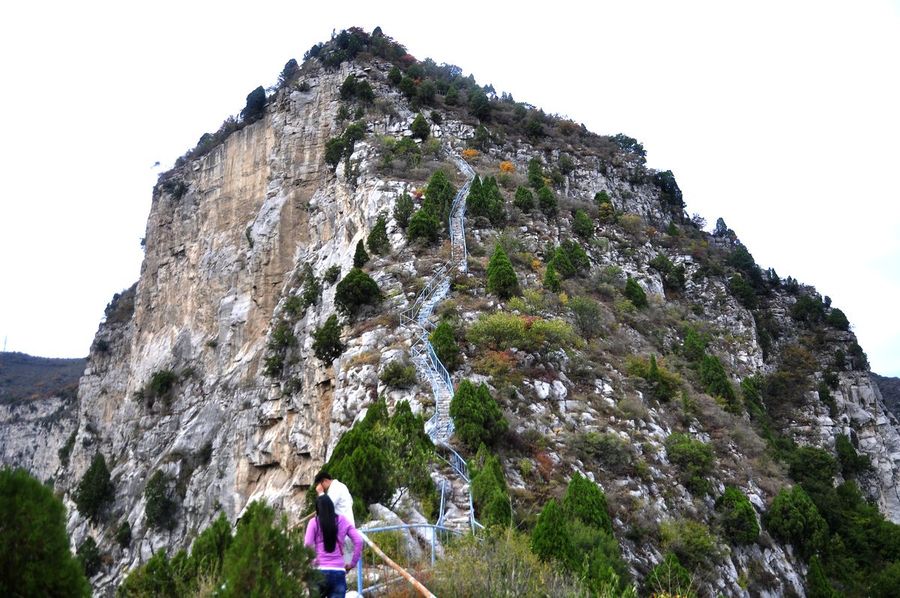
[{"x": 782, "y": 117}]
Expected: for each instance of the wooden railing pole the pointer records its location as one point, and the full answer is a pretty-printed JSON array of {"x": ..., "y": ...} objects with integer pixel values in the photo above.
[{"x": 403, "y": 572}]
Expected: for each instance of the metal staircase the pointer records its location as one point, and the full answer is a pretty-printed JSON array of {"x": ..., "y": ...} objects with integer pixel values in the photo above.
[{"x": 418, "y": 317}]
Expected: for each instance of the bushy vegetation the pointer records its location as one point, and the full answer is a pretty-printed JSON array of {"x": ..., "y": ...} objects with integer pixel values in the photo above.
[
  {"x": 670, "y": 578},
  {"x": 443, "y": 339},
  {"x": 499, "y": 563},
  {"x": 255, "y": 108},
  {"x": 341, "y": 147},
  {"x": 420, "y": 127},
  {"x": 673, "y": 277},
  {"x": 378, "y": 240},
  {"x": 690, "y": 541},
  {"x": 383, "y": 454},
  {"x": 737, "y": 517},
  {"x": 715, "y": 381},
  {"x": 634, "y": 293},
  {"x": 501, "y": 331},
  {"x": 570, "y": 259},
  {"x": 263, "y": 558},
  {"x": 355, "y": 291},
  {"x": 486, "y": 201},
  {"x": 489, "y": 491},
  {"x": 501, "y": 277},
  {"x": 95, "y": 490},
  {"x": 88, "y": 556},
  {"x": 327, "y": 343},
  {"x": 476, "y": 415},
  {"x": 34, "y": 549},
  {"x": 398, "y": 374},
  {"x": 578, "y": 536},
  {"x": 661, "y": 384},
  {"x": 582, "y": 224},
  {"x": 694, "y": 460},
  {"x": 524, "y": 199},
  {"x": 403, "y": 210},
  {"x": 161, "y": 507},
  {"x": 794, "y": 519},
  {"x": 360, "y": 256}
]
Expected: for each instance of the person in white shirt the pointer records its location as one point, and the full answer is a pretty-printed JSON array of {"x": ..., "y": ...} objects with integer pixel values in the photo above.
[{"x": 337, "y": 492}]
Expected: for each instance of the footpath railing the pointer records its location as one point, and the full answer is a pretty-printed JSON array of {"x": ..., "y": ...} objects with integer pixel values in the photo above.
[
  {"x": 439, "y": 427},
  {"x": 400, "y": 573}
]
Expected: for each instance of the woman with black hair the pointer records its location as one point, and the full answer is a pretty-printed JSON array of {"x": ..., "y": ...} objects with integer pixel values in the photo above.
[{"x": 325, "y": 534}]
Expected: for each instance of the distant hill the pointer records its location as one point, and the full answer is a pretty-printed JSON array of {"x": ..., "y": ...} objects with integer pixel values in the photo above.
[
  {"x": 23, "y": 377},
  {"x": 890, "y": 392}
]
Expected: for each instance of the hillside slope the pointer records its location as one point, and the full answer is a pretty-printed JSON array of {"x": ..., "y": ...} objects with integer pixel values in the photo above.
[{"x": 659, "y": 361}]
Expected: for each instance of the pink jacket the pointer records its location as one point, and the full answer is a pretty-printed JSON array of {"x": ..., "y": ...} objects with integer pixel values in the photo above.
[{"x": 335, "y": 559}]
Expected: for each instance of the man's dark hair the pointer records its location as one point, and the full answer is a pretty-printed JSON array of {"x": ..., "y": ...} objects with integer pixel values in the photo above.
[{"x": 322, "y": 475}]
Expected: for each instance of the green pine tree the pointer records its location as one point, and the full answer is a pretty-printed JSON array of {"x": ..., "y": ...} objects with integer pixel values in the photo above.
[
  {"x": 634, "y": 293},
  {"x": 327, "y": 343},
  {"x": 34, "y": 550},
  {"x": 551, "y": 279},
  {"x": 95, "y": 490},
  {"x": 549, "y": 539},
  {"x": 444, "y": 342},
  {"x": 501, "y": 277},
  {"x": 378, "y": 240},
  {"x": 360, "y": 257},
  {"x": 420, "y": 127}
]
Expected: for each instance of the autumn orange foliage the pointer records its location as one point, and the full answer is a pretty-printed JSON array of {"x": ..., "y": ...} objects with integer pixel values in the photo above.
[
  {"x": 507, "y": 166},
  {"x": 469, "y": 153}
]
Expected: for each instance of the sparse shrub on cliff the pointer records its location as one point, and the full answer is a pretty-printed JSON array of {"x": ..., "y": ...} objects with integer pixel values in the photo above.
[
  {"x": 403, "y": 210},
  {"x": 89, "y": 556},
  {"x": 34, "y": 549},
  {"x": 837, "y": 319},
  {"x": 161, "y": 507},
  {"x": 327, "y": 343},
  {"x": 691, "y": 541},
  {"x": 399, "y": 374},
  {"x": 694, "y": 460},
  {"x": 586, "y": 313},
  {"x": 95, "y": 490},
  {"x": 524, "y": 199},
  {"x": 634, "y": 293},
  {"x": 852, "y": 463},
  {"x": 378, "y": 240},
  {"x": 547, "y": 201},
  {"x": 716, "y": 383},
  {"x": 662, "y": 384},
  {"x": 337, "y": 148},
  {"x": 123, "y": 534},
  {"x": 670, "y": 579},
  {"x": 160, "y": 385},
  {"x": 360, "y": 256},
  {"x": 332, "y": 274},
  {"x": 420, "y": 127},
  {"x": 289, "y": 73},
  {"x": 737, "y": 517},
  {"x": 395, "y": 76},
  {"x": 582, "y": 224},
  {"x": 501, "y": 277},
  {"x": 354, "y": 291}
]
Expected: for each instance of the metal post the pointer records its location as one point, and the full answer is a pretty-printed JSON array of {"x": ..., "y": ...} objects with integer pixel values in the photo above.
[{"x": 359, "y": 576}]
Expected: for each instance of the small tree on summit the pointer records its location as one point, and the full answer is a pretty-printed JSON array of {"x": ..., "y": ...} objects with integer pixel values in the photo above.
[
  {"x": 501, "y": 277},
  {"x": 256, "y": 105}
]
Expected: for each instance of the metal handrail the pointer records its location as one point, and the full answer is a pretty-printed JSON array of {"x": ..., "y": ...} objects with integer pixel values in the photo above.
[{"x": 404, "y": 575}]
